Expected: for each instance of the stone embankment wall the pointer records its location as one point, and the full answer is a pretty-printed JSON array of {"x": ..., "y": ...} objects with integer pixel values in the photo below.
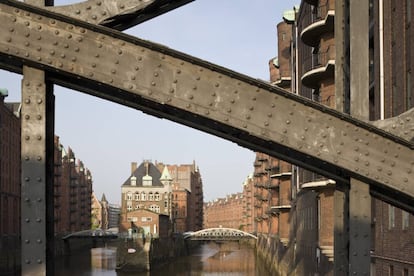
[
  {"x": 278, "y": 258},
  {"x": 137, "y": 254}
]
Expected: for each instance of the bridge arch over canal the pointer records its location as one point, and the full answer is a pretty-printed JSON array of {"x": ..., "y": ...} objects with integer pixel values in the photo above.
[{"x": 219, "y": 234}]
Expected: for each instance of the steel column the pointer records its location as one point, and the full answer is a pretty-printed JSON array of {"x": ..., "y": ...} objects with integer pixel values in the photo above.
[
  {"x": 359, "y": 194},
  {"x": 37, "y": 115},
  {"x": 359, "y": 228}
]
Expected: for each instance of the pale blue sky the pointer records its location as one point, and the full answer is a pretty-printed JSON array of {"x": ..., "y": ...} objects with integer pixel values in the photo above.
[{"x": 240, "y": 35}]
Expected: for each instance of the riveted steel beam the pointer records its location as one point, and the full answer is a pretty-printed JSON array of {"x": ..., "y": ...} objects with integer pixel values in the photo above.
[
  {"x": 169, "y": 84},
  {"x": 119, "y": 15},
  {"x": 37, "y": 122}
]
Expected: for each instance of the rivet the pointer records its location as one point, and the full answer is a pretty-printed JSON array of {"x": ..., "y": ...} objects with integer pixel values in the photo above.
[
  {"x": 171, "y": 90},
  {"x": 266, "y": 123},
  {"x": 27, "y": 241},
  {"x": 153, "y": 83},
  {"x": 27, "y": 220},
  {"x": 27, "y": 117},
  {"x": 39, "y": 158},
  {"x": 287, "y": 122},
  {"x": 39, "y": 199},
  {"x": 27, "y": 261},
  {"x": 39, "y": 179},
  {"x": 228, "y": 110},
  {"x": 27, "y": 179},
  {"x": 39, "y": 261},
  {"x": 27, "y": 137},
  {"x": 38, "y": 220},
  {"x": 39, "y": 241}
]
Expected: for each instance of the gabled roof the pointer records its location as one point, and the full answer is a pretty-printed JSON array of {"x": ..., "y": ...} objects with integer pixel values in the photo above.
[
  {"x": 166, "y": 174},
  {"x": 141, "y": 171}
]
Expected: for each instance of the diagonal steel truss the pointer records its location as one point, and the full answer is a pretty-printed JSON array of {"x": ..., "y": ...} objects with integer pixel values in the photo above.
[
  {"x": 67, "y": 46},
  {"x": 169, "y": 84}
]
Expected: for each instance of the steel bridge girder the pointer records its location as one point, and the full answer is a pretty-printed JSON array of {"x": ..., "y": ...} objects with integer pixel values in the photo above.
[{"x": 169, "y": 84}]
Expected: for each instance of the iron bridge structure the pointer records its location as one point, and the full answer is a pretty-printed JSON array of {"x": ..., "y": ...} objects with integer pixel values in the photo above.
[
  {"x": 218, "y": 234},
  {"x": 82, "y": 47},
  {"x": 95, "y": 234}
]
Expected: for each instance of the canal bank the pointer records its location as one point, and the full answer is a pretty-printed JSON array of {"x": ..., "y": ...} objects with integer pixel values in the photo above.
[{"x": 138, "y": 253}]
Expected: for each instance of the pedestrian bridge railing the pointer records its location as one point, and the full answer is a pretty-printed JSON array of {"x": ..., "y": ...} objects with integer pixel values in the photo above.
[{"x": 219, "y": 234}]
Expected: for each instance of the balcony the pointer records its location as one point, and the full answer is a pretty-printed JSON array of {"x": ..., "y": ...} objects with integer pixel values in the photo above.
[
  {"x": 319, "y": 67},
  {"x": 281, "y": 175},
  {"x": 317, "y": 23},
  {"x": 318, "y": 184}
]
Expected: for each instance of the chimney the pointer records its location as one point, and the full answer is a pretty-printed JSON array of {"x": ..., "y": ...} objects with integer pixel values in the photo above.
[{"x": 133, "y": 167}]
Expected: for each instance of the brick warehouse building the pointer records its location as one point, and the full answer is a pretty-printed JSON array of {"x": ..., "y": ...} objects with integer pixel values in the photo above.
[
  {"x": 233, "y": 211},
  {"x": 312, "y": 61},
  {"x": 72, "y": 189},
  {"x": 174, "y": 191},
  {"x": 9, "y": 185}
]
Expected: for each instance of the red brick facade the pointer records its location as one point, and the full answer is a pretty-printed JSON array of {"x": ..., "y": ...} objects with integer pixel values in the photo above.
[{"x": 9, "y": 170}]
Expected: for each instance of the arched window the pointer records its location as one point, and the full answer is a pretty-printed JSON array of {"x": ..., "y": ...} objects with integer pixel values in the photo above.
[
  {"x": 129, "y": 196},
  {"x": 129, "y": 207},
  {"x": 143, "y": 196},
  {"x": 157, "y": 196},
  {"x": 137, "y": 196},
  {"x": 151, "y": 196}
]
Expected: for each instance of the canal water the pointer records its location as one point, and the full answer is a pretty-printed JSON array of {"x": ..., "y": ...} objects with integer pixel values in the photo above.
[{"x": 210, "y": 259}]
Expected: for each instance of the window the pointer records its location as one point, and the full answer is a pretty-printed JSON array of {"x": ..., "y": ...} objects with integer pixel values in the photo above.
[
  {"x": 157, "y": 196},
  {"x": 405, "y": 272},
  {"x": 143, "y": 196},
  {"x": 155, "y": 208},
  {"x": 137, "y": 196},
  {"x": 391, "y": 216},
  {"x": 405, "y": 220},
  {"x": 129, "y": 196},
  {"x": 129, "y": 207},
  {"x": 151, "y": 196}
]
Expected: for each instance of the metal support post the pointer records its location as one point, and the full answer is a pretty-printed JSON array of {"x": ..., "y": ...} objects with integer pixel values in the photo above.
[
  {"x": 359, "y": 228},
  {"x": 341, "y": 237},
  {"x": 37, "y": 122}
]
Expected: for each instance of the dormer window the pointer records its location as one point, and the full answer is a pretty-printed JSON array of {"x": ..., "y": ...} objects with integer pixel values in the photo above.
[
  {"x": 133, "y": 181},
  {"x": 147, "y": 180}
]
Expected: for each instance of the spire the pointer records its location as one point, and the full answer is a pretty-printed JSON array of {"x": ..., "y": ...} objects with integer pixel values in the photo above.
[
  {"x": 104, "y": 198},
  {"x": 165, "y": 176}
]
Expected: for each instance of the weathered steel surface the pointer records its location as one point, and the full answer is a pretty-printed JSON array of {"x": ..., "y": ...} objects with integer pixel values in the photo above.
[
  {"x": 172, "y": 85},
  {"x": 117, "y": 14},
  {"x": 37, "y": 189}
]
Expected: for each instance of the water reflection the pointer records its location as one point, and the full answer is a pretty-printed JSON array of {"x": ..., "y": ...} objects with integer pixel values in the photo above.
[{"x": 210, "y": 259}]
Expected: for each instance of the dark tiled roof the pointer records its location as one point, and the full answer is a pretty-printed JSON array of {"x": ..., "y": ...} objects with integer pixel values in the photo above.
[{"x": 142, "y": 171}]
